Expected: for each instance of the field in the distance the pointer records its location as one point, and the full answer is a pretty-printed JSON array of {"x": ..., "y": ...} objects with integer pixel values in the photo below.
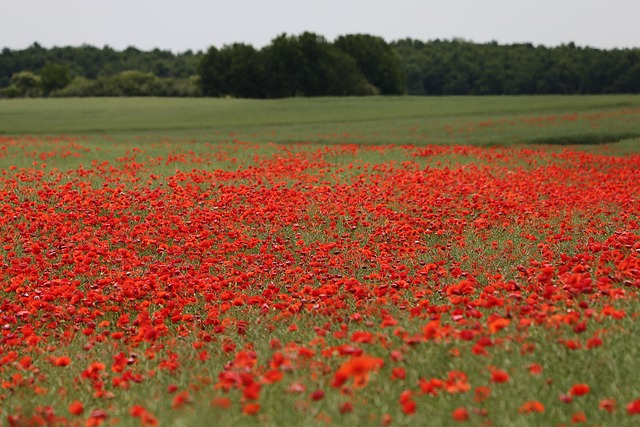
[
  {"x": 399, "y": 120},
  {"x": 400, "y": 261}
]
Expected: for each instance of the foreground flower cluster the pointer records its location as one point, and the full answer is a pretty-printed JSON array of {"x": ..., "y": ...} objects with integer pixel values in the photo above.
[{"x": 307, "y": 281}]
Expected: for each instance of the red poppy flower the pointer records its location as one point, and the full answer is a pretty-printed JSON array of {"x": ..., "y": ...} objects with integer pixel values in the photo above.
[
  {"x": 608, "y": 405},
  {"x": 76, "y": 408},
  {"x": 460, "y": 414},
  {"x": 579, "y": 390},
  {"x": 531, "y": 407},
  {"x": 62, "y": 361},
  {"x": 498, "y": 375},
  {"x": 633, "y": 407},
  {"x": 358, "y": 368},
  {"x": 251, "y": 408}
]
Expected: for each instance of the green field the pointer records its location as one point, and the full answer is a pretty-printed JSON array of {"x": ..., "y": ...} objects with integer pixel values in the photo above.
[{"x": 376, "y": 120}]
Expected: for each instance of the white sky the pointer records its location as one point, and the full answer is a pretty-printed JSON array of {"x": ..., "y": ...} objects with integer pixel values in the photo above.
[{"x": 180, "y": 25}]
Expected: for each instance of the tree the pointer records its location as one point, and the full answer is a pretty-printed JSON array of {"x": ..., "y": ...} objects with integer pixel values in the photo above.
[
  {"x": 344, "y": 77},
  {"x": 211, "y": 71},
  {"x": 132, "y": 83},
  {"x": 377, "y": 61},
  {"x": 630, "y": 81},
  {"x": 282, "y": 61},
  {"x": 243, "y": 76},
  {"x": 26, "y": 84},
  {"x": 54, "y": 76},
  {"x": 308, "y": 65}
]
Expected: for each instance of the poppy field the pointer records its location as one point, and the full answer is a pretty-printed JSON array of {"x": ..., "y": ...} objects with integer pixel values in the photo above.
[{"x": 191, "y": 277}]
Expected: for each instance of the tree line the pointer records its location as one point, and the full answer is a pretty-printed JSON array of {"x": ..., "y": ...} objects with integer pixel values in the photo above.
[
  {"x": 458, "y": 67},
  {"x": 310, "y": 65},
  {"x": 92, "y": 71}
]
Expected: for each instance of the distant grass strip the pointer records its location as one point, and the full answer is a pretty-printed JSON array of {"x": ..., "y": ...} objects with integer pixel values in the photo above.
[{"x": 585, "y": 139}]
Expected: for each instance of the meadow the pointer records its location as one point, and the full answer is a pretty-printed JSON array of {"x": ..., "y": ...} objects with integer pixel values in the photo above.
[{"x": 381, "y": 261}]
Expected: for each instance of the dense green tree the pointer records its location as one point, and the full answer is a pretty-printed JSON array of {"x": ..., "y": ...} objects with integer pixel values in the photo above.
[
  {"x": 378, "y": 62},
  {"x": 132, "y": 83},
  {"x": 305, "y": 65},
  {"x": 629, "y": 82},
  {"x": 282, "y": 61},
  {"x": 212, "y": 70},
  {"x": 25, "y": 80},
  {"x": 314, "y": 73},
  {"x": 243, "y": 77},
  {"x": 324, "y": 70},
  {"x": 234, "y": 70},
  {"x": 54, "y": 76},
  {"x": 24, "y": 84},
  {"x": 344, "y": 77}
]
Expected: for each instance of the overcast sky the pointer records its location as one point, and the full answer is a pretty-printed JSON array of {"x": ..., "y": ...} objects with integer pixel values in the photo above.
[{"x": 179, "y": 25}]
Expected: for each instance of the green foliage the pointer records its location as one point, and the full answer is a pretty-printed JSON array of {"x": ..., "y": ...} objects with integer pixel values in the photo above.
[
  {"x": 345, "y": 77},
  {"x": 282, "y": 59},
  {"x": 24, "y": 84},
  {"x": 308, "y": 65},
  {"x": 130, "y": 83},
  {"x": 359, "y": 64},
  {"x": 54, "y": 76},
  {"x": 25, "y": 80},
  {"x": 377, "y": 61},
  {"x": 79, "y": 86},
  {"x": 305, "y": 65},
  {"x": 211, "y": 70},
  {"x": 458, "y": 67},
  {"x": 243, "y": 77},
  {"x": 91, "y": 62},
  {"x": 234, "y": 70},
  {"x": 97, "y": 72}
]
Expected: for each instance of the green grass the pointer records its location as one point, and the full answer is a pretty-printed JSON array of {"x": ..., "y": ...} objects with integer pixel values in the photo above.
[{"x": 374, "y": 120}]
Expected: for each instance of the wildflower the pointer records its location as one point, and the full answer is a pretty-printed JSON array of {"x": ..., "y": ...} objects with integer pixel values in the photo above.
[
  {"x": 579, "y": 390},
  {"x": 76, "y": 408},
  {"x": 531, "y": 407},
  {"x": 460, "y": 414},
  {"x": 358, "y": 368}
]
